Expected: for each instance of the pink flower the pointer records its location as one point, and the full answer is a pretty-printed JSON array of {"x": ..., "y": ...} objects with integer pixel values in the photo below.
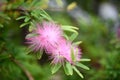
[
  {"x": 48, "y": 35},
  {"x": 60, "y": 52},
  {"x": 63, "y": 53}
]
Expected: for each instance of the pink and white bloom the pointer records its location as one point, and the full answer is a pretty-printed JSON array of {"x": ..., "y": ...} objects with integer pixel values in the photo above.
[
  {"x": 48, "y": 35},
  {"x": 63, "y": 53}
]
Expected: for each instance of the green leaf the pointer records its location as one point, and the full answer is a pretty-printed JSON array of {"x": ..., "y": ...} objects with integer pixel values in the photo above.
[
  {"x": 39, "y": 55},
  {"x": 7, "y": 17},
  {"x": 45, "y": 15},
  {"x": 82, "y": 66},
  {"x": 73, "y": 36},
  {"x": 85, "y": 60},
  {"x": 31, "y": 35},
  {"x": 27, "y": 18},
  {"x": 1, "y": 25},
  {"x": 24, "y": 24},
  {"x": 77, "y": 43},
  {"x": 55, "y": 68},
  {"x": 4, "y": 16},
  {"x": 34, "y": 14},
  {"x": 69, "y": 68},
  {"x": 21, "y": 17},
  {"x": 65, "y": 69},
  {"x": 31, "y": 28},
  {"x": 4, "y": 56},
  {"x": 77, "y": 71},
  {"x": 34, "y": 2},
  {"x": 66, "y": 36},
  {"x": 69, "y": 28},
  {"x": 72, "y": 54}
]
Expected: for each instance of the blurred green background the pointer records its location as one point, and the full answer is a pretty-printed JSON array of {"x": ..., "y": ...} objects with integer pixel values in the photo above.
[{"x": 99, "y": 30}]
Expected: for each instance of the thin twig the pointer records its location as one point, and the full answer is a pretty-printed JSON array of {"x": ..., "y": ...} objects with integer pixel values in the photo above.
[{"x": 27, "y": 73}]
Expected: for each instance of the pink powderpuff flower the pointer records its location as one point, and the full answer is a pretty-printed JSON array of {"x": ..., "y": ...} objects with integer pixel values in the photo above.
[
  {"x": 48, "y": 35},
  {"x": 60, "y": 52},
  {"x": 63, "y": 52}
]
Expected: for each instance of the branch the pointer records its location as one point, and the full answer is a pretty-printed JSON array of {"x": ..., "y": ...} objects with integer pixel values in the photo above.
[{"x": 27, "y": 73}]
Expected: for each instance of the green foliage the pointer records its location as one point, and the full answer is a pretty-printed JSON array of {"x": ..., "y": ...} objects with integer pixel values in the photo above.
[
  {"x": 4, "y": 17},
  {"x": 99, "y": 42},
  {"x": 72, "y": 54},
  {"x": 77, "y": 71},
  {"x": 55, "y": 68},
  {"x": 82, "y": 66},
  {"x": 17, "y": 63},
  {"x": 85, "y": 60},
  {"x": 33, "y": 17},
  {"x": 73, "y": 36},
  {"x": 15, "y": 57},
  {"x": 69, "y": 68},
  {"x": 70, "y": 28}
]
